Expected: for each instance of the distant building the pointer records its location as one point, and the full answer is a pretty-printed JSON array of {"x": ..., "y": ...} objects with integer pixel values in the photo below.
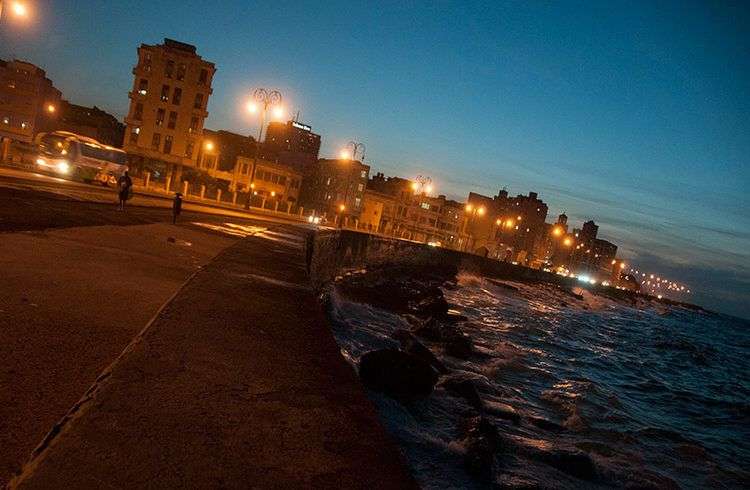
[
  {"x": 591, "y": 255},
  {"x": 334, "y": 187},
  {"x": 376, "y": 209},
  {"x": 171, "y": 87},
  {"x": 29, "y": 103},
  {"x": 291, "y": 143},
  {"x": 219, "y": 151},
  {"x": 90, "y": 121}
]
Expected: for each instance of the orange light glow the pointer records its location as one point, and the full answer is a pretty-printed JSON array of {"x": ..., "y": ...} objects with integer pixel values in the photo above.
[
  {"x": 481, "y": 211},
  {"x": 252, "y": 107},
  {"x": 209, "y": 145},
  {"x": 345, "y": 155},
  {"x": 557, "y": 231},
  {"x": 19, "y": 9},
  {"x": 278, "y": 112},
  {"x": 567, "y": 242},
  {"x": 51, "y": 108}
]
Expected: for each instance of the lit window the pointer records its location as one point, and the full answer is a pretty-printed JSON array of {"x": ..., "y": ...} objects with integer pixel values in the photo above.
[
  {"x": 6, "y": 120},
  {"x": 134, "y": 135},
  {"x": 194, "y": 123},
  {"x": 168, "y": 144},
  {"x": 143, "y": 86},
  {"x": 364, "y": 174},
  {"x": 160, "y": 114},
  {"x": 361, "y": 187},
  {"x": 357, "y": 202},
  {"x": 23, "y": 125},
  {"x": 164, "y": 93},
  {"x": 189, "y": 149}
]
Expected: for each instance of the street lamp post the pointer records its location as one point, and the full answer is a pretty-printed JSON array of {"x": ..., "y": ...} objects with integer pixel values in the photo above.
[
  {"x": 356, "y": 146},
  {"x": 262, "y": 100}
]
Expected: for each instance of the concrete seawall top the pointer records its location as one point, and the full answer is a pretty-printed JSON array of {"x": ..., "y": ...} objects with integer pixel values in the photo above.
[{"x": 237, "y": 382}]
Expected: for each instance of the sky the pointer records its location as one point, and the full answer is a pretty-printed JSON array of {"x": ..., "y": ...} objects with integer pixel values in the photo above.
[{"x": 634, "y": 114}]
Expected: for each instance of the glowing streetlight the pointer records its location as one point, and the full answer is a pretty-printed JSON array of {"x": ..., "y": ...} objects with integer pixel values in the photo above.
[
  {"x": 415, "y": 186},
  {"x": 17, "y": 8},
  {"x": 261, "y": 101},
  {"x": 342, "y": 208},
  {"x": 481, "y": 210},
  {"x": 469, "y": 208},
  {"x": 355, "y": 148},
  {"x": 51, "y": 108},
  {"x": 428, "y": 188},
  {"x": 557, "y": 231},
  {"x": 278, "y": 112},
  {"x": 345, "y": 155},
  {"x": 568, "y": 242},
  {"x": 209, "y": 145}
]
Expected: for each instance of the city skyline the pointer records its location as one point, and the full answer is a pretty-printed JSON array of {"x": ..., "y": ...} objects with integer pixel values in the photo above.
[{"x": 672, "y": 209}]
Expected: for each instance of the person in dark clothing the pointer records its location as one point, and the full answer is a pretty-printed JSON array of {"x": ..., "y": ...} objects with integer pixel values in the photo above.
[
  {"x": 124, "y": 184},
  {"x": 176, "y": 207}
]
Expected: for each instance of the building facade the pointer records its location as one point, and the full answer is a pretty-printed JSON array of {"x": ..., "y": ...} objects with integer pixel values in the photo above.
[
  {"x": 29, "y": 102},
  {"x": 90, "y": 121},
  {"x": 335, "y": 188},
  {"x": 291, "y": 143},
  {"x": 164, "y": 125}
]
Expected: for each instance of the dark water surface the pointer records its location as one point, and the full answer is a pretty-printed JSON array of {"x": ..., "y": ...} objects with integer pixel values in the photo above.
[{"x": 656, "y": 397}]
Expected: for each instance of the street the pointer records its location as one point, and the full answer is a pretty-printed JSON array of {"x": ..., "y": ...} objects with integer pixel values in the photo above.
[{"x": 78, "y": 280}]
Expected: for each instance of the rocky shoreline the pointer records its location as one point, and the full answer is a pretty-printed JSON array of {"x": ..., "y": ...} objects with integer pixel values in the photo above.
[{"x": 416, "y": 368}]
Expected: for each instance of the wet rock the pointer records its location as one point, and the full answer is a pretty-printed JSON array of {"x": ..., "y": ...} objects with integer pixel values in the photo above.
[
  {"x": 503, "y": 411},
  {"x": 432, "y": 306},
  {"x": 454, "y": 317},
  {"x": 412, "y": 345},
  {"x": 545, "y": 424},
  {"x": 574, "y": 463},
  {"x": 482, "y": 442},
  {"x": 456, "y": 343},
  {"x": 463, "y": 388},
  {"x": 503, "y": 285},
  {"x": 429, "y": 329},
  {"x": 397, "y": 374}
]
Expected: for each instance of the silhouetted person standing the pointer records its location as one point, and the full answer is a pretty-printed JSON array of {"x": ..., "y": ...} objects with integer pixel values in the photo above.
[
  {"x": 176, "y": 207},
  {"x": 124, "y": 184}
]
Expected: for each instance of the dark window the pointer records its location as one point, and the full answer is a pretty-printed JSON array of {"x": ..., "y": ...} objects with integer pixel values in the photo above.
[
  {"x": 155, "y": 141},
  {"x": 160, "y": 113},
  {"x": 194, "y": 122},
  {"x": 203, "y": 78},
  {"x": 167, "y": 144},
  {"x": 275, "y": 178},
  {"x": 169, "y": 69},
  {"x": 181, "y": 71},
  {"x": 165, "y": 93},
  {"x": 198, "y": 101},
  {"x": 282, "y": 180},
  {"x": 143, "y": 86},
  {"x": 138, "y": 113},
  {"x": 177, "y": 96},
  {"x": 172, "y": 120},
  {"x": 147, "y": 61},
  {"x": 189, "y": 149},
  {"x": 260, "y": 175}
]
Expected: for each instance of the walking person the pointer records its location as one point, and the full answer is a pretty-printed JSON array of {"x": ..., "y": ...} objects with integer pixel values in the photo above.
[
  {"x": 176, "y": 207},
  {"x": 124, "y": 185}
]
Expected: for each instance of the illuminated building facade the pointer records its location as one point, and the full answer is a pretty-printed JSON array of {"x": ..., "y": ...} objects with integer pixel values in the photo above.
[
  {"x": 168, "y": 101},
  {"x": 291, "y": 143},
  {"x": 29, "y": 102}
]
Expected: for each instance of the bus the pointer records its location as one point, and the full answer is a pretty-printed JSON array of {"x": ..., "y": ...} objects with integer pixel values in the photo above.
[{"x": 79, "y": 157}]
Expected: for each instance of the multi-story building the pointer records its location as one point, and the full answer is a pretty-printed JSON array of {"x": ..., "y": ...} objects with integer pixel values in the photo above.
[
  {"x": 376, "y": 210},
  {"x": 274, "y": 182},
  {"x": 90, "y": 121},
  {"x": 29, "y": 103},
  {"x": 168, "y": 102},
  {"x": 219, "y": 152},
  {"x": 591, "y": 255},
  {"x": 335, "y": 188},
  {"x": 291, "y": 143}
]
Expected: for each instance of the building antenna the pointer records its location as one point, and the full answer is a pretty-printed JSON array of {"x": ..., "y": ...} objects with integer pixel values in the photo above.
[{"x": 296, "y": 118}]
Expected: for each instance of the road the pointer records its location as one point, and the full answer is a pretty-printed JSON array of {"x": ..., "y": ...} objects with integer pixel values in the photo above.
[{"x": 78, "y": 280}]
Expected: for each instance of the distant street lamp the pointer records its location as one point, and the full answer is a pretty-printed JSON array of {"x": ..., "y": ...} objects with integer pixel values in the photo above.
[
  {"x": 355, "y": 147},
  {"x": 262, "y": 100}
]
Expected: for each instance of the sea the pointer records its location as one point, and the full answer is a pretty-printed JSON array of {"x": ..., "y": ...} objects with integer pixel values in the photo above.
[{"x": 656, "y": 396}]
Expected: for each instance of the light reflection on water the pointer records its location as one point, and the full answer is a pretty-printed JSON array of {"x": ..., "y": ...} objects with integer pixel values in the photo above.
[{"x": 653, "y": 396}]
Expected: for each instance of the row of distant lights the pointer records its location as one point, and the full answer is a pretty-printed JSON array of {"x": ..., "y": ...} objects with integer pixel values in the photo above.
[{"x": 655, "y": 282}]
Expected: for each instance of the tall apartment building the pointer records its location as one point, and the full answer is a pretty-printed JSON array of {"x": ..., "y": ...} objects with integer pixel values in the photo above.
[
  {"x": 171, "y": 88},
  {"x": 29, "y": 103},
  {"x": 291, "y": 143}
]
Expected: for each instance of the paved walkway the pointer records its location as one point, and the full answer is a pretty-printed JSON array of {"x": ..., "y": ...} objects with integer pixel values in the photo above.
[
  {"x": 70, "y": 300},
  {"x": 238, "y": 382}
]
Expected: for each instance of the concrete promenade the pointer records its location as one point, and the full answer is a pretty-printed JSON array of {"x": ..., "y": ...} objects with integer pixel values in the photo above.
[{"x": 237, "y": 382}]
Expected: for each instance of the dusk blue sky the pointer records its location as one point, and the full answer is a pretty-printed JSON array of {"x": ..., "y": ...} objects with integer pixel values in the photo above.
[{"x": 633, "y": 114}]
